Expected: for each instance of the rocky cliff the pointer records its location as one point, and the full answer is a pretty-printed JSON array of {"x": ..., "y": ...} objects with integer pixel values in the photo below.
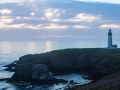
[{"x": 100, "y": 61}]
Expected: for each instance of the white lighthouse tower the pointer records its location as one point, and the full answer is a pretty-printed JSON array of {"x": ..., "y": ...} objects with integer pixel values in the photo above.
[
  {"x": 110, "y": 45},
  {"x": 109, "y": 38}
]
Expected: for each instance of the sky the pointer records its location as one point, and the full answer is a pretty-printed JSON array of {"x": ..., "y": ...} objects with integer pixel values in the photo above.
[{"x": 59, "y": 20}]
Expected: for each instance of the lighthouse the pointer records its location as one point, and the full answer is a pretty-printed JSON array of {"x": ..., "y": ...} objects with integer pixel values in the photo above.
[
  {"x": 109, "y": 38},
  {"x": 110, "y": 45}
]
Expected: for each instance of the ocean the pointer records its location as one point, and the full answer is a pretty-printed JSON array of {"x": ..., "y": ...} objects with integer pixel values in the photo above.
[{"x": 11, "y": 51}]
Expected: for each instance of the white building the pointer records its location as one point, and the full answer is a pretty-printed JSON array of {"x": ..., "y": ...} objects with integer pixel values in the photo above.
[{"x": 110, "y": 45}]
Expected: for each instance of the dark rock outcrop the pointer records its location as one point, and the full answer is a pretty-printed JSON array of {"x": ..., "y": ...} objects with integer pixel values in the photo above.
[
  {"x": 41, "y": 71},
  {"x": 29, "y": 71},
  {"x": 22, "y": 72},
  {"x": 99, "y": 61},
  {"x": 72, "y": 82},
  {"x": 36, "y": 74},
  {"x": 66, "y": 60},
  {"x": 11, "y": 67}
]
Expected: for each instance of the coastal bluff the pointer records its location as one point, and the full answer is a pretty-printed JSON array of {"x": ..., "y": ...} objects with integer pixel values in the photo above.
[{"x": 100, "y": 61}]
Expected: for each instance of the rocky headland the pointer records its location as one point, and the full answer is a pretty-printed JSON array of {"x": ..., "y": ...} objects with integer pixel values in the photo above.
[{"x": 98, "y": 63}]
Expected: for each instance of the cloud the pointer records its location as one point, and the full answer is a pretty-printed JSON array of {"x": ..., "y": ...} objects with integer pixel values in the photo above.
[
  {"x": 5, "y": 11},
  {"x": 114, "y": 26},
  {"x": 52, "y": 13},
  {"x": 5, "y": 19},
  {"x": 81, "y": 17},
  {"x": 19, "y": 26},
  {"x": 33, "y": 27},
  {"x": 50, "y": 36},
  {"x": 32, "y": 14},
  {"x": 54, "y": 26},
  {"x": 32, "y": 1},
  {"x": 17, "y": 1},
  {"x": 29, "y": 18},
  {"x": 103, "y": 1},
  {"x": 57, "y": 19},
  {"x": 80, "y": 27},
  {"x": 61, "y": 36},
  {"x": 84, "y": 17}
]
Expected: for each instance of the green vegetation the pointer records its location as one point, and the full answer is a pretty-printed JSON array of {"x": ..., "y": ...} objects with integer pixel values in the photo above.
[
  {"x": 109, "y": 77},
  {"x": 108, "y": 68},
  {"x": 104, "y": 60}
]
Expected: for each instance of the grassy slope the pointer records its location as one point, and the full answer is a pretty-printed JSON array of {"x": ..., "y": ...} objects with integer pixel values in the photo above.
[
  {"x": 104, "y": 60},
  {"x": 110, "y": 82},
  {"x": 110, "y": 67}
]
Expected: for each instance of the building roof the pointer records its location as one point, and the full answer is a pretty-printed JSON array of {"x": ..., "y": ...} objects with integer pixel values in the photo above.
[{"x": 114, "y": 45}]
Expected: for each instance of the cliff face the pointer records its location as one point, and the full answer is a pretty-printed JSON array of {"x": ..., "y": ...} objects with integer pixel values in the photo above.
[
  {"x": 67, "y": 60},
  {"x": 100, "y": 61}
]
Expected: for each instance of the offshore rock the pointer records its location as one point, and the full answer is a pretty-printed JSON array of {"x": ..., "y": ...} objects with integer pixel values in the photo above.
[
  {"x": 28, "y": 71},
  {"x": 41, "y": 71},
  {"x": 36, "y": 74},
  {"x": 22, "y": 72}
]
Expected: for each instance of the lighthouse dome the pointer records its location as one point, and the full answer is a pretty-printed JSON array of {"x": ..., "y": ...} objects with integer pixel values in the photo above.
[{"x": 110, "y": 32}]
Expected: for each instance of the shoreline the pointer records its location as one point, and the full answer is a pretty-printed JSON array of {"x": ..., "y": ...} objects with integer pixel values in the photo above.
[
  {"x": 31, "y": 85},
  {"x": 92, "y": 62}
]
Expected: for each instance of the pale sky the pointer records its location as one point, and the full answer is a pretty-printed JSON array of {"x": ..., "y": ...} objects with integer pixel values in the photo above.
[
  {"x": 59, "y": 20},
  {"x": 106, "y": 1}
]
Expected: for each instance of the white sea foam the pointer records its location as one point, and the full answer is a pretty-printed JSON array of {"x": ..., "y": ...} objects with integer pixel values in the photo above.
[
  {"x": 5, "y": 74},
  {"x": 78, "y": 80}
]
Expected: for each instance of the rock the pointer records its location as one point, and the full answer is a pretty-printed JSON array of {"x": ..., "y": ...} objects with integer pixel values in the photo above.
[
  {"x": 22, "y": 72},
  {"x": 30, "y": 72},
  {"x": 41, "y": 71},
  {"x": 13, "y": 64},
  {"x": 68, "y": 60},
  {"x": 72, "y": 82},
  {"x": 4, "y": 79},
  {"x": 11, "y": 67},
  {"x": 64, "y": 60},
  {"x": 36, "y": 74}
]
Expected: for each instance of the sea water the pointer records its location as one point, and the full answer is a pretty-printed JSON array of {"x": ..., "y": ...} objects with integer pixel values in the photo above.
[{"x": 11, "y": 51}]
